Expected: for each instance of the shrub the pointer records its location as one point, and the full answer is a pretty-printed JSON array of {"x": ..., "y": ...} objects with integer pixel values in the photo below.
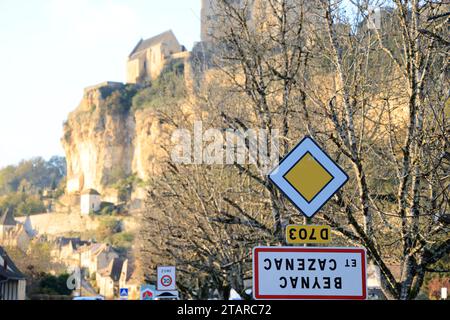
[
  {"x": 54, "y": 285},
  {"x": 22, "y": 204},
  {"x": 120, "y": 101},
  {"x": 36, "y": 174},
  {"x": 122, "y": 241},
  {"x": 164, "y": 91},
  {"x": 107, "y": 209},
  {"x": 108, "y": 227}
]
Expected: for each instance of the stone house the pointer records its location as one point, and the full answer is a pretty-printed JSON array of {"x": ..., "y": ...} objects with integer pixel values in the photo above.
[
  {"x": 14, "y": 234},
  {"x": 90, "y": 201},
  {"x": 17, "y": 237},
  {"x": 96, "y": 256},
  {"x": 129, "y": 280},
  {"x": 108, "y": 278},
  {"x": 148, "y": 58},
  {"x": 7, "y": 221},
  {"x": 12, "y": 281},
  {"x": 66, "y": 251}
]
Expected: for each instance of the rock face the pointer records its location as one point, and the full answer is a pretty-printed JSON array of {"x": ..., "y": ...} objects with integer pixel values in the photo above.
[{"x": 105, "y": 141}]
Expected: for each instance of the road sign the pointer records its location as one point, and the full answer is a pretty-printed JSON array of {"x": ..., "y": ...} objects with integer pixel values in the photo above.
[
  {"x": 308, "y": 234},
  {"x": 309, "y": 273},
  {"x": 167, "y": 295},
  {"x": 147, "y": 292},
  {"x": 123, "y": 293},
  {"x": 308, "y": 177},
  {"x": 166, "y": 279},
  {"x": 444, "y": 293}
]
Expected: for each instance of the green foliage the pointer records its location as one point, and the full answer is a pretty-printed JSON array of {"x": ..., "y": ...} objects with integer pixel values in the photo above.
[
  {"x": 164, "y": 91},
  {"x": 35, "y": 264},
  {"x": 54, "y": 285},
  {"x": 22, "y": 204},
  {"x": 107, "y": 228},
  {"x": 439, "y": 278},
  {"x": 119, "y": 101},
  {"x": 107, "y": 209},
  {"x": 110, "y": 231},
  {"x": 117, "y": 174},
  {"x": 126, "y": 185},
  {"x": 122, "y": 241},
  {"x": 60, "y": 189},
  {"x": 33, "y": 175}
]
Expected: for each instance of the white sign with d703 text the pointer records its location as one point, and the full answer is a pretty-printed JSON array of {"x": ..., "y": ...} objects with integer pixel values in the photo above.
[{"x": 309, "y": 273}]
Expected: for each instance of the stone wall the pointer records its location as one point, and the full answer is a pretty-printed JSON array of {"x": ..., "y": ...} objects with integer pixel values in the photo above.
[
  {"x": 58, "y": 224},
  {"x": 61, "y": 223}
]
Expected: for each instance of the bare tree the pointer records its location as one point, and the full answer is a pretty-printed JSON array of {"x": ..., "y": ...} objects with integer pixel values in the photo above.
[{"x": 375, "y": 98}]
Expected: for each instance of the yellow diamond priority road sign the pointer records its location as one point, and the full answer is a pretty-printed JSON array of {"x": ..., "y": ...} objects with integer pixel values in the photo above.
[{"x": 308, "y": 177}]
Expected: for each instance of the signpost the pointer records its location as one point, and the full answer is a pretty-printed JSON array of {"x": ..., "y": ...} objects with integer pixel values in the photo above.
[
  {"x": 308, "y": 234},
  {"x": 167, "y": 295},
  {"x": 147, "y": 292},
  {"x": 166, "y": 279},
  {"x": 309, "y": 273},
  {"x": 123, "y": 293},
  {"x": 308, "y": 177},
  {"x": 444, "y": 293}
]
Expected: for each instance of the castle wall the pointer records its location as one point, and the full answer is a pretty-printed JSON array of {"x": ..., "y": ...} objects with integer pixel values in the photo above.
[
  {"x": 58, "y": 223},
  {"x": 146, "y": 65},
  {"x": 134, "y": 70},
  {"x": 207, "y": 16}
]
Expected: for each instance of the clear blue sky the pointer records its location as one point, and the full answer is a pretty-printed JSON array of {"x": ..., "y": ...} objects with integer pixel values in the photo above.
[{"x": 51, "y": 49}]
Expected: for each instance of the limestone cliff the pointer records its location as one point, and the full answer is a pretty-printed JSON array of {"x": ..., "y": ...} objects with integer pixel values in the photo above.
[{"x": 106, "y": 141}]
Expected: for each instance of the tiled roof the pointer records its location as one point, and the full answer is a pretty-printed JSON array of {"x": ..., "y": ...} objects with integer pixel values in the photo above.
[
  {"x": 11, "y": 272},
  {"x": 90, "y": 192},
  {"x": 7, "y": 218},
  {"x": 76, "y": 242},
  {"x": 114, "y": 269},
  {"x": 145, "y": 44}
]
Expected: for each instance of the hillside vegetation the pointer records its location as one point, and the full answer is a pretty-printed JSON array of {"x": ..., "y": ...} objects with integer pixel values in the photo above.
[{"x": 22, "y": 185}]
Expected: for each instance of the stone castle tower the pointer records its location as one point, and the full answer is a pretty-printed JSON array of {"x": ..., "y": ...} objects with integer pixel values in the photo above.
[
  {"x": 209, "y": 17},
  {"x": 255, "y": 10},
  {"x": 148, "y": 57}
]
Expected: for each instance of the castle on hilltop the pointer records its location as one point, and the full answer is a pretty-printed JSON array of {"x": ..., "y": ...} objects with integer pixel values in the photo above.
[
  {"x": 148, "y": 57},
  {"x": 146, "y": 62}
]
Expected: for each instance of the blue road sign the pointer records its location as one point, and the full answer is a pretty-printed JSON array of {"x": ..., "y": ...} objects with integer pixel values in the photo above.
[
  {"x": 123, "y": 292},
  {"x": 308, "y": 177}
]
